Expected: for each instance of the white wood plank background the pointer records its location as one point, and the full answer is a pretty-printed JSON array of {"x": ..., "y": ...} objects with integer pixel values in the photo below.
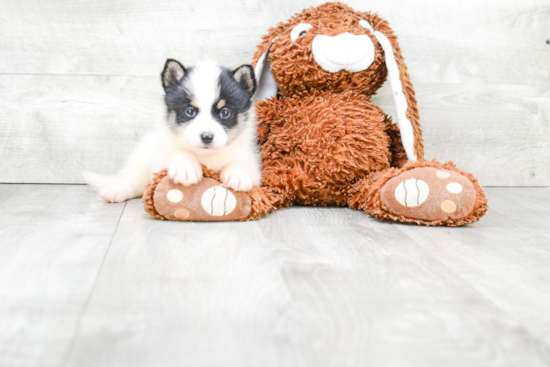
[{"x": 79, "y": 80}]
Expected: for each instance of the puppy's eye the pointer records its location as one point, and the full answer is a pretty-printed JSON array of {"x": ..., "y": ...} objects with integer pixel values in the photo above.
[
  {"x": 190, "y": 112},
  {"x": 299, "y": 31},
  {"x": 225, "y": 113}
]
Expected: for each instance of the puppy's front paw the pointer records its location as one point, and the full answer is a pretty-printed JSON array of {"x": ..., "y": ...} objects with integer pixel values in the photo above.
[
  {"x": 117, "y": 192},
  {"x": 236, "y": 178},
  {"x": 185, "y": 172}
]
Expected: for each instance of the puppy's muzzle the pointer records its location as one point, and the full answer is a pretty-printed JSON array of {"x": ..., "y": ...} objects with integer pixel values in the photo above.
[{"x": 207, "y": 138}]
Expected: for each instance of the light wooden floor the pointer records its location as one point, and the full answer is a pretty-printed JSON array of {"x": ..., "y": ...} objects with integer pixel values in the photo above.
[{"x": 85, "y": 283}]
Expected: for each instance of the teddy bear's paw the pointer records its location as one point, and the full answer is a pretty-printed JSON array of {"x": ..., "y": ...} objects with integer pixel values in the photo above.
[
  {"x": 207, "y": 201},
  {"x": 430, "y": 194}
]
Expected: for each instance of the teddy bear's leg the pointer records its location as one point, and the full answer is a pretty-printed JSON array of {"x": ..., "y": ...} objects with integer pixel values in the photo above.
[
  {"x": 427, "y": 193},
  {"x": 209, "y": 200}
]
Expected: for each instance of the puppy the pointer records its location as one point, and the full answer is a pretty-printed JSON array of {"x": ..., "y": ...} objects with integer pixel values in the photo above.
[{"x": 210, "y": 120}]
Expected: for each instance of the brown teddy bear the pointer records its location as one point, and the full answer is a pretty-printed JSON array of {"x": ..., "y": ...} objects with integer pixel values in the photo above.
[{"x": 323, "y": 142}]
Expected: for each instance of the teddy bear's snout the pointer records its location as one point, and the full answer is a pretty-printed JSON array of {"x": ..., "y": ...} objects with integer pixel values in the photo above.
[{"x": 345, "y": 51}]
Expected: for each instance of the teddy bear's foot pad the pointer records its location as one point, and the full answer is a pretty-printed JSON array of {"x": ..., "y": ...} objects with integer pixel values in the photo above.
[
  {"x": 430, "y": 194},
  {"x": 206, "y": 201}
]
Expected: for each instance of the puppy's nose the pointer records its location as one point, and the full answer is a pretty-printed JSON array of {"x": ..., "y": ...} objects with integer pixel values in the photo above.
[{"x": 207, "y": 138}]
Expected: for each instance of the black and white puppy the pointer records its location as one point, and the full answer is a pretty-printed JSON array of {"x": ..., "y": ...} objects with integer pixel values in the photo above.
[{"x": 210, "y": 120}]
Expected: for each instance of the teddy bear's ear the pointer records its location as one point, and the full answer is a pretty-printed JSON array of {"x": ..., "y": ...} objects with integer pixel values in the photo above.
[
  {"x": 402, "y": 88},
  {"x": 267, "y": 87}
]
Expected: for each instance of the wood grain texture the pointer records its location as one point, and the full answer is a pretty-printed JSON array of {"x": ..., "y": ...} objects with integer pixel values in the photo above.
[
  {"x": 374, "y": 293},
  {"x": 186, "y": 294},
  {"x": 498, "y": 42},
  {"x": 53, "y": 241},
  {"x": 58, "y": 126},
  {"x": 486, "y": 254},
  {"x": 499, "y": 133},
  {"x": 79, "y": 80},
  {"x": 324, "y": 287}
]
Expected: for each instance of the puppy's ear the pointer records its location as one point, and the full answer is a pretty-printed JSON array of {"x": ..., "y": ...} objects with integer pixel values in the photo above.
[
  {"x": 172, "y": 74},
  {"x": 244, "y": 75}
]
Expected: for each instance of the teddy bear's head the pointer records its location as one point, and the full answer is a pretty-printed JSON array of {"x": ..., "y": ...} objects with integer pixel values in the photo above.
[{"x": 335, "y": 48}]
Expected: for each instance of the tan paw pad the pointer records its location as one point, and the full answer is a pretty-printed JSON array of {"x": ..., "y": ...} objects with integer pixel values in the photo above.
[
  {"x": 442, "y": 174},
  {"x": 174, "y": 196},
  {"x": 448, "y": 206},
  {"x": 454, "y": 187},
  {"x": 181, "y": 214}
]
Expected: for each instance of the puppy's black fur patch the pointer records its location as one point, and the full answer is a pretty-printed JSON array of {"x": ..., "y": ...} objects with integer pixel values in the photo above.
[
  {"x": 236, "y": 88},
  {"x": 236, "y": 95},
  {"x": 178, "y": 99}
]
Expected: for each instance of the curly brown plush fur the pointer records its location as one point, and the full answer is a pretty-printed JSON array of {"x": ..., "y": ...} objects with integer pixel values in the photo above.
[
  {"x": 296, "y": 72},
  {"x": 322, "y": 141},
  {"x": 320, "y": 144}
]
